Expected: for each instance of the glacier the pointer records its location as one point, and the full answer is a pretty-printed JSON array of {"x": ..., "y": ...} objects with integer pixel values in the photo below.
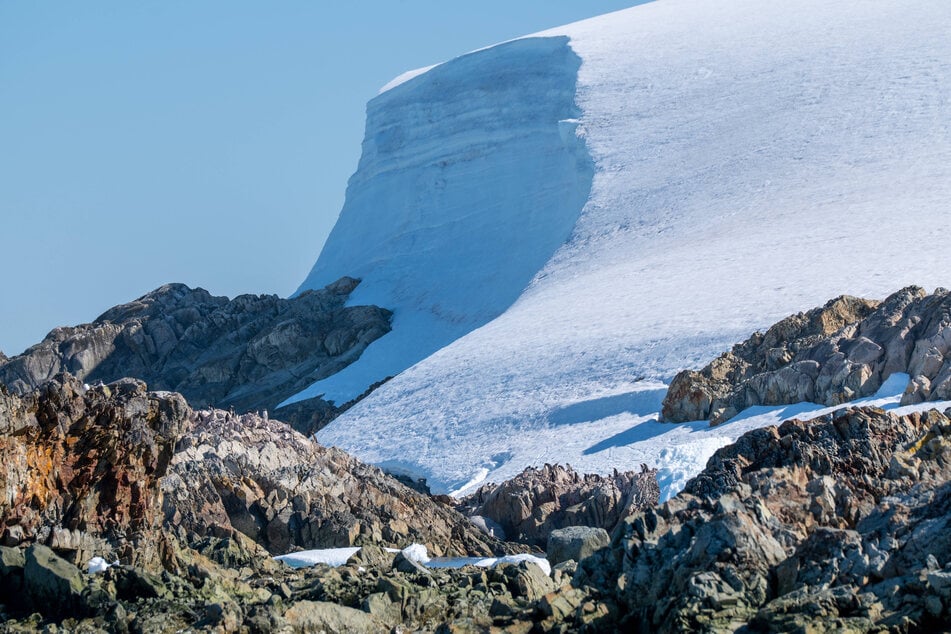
[
  {"x": 471, "y": 178},
  {"x": 562, "y": 222}
]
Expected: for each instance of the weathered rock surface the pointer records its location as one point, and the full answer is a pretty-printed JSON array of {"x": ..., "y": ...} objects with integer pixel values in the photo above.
[
  {"x": 831, "y": 355},
  {"x": 80, "y": 468},
  {"x": 537, "y": 501},
  {"x": 832, "y": 524},
  {"x": 575, "y": 543},
  {"x": 174, "y": 495},
  {"x": 286, "y": 492},
  {"x": 248, "y": 353}
]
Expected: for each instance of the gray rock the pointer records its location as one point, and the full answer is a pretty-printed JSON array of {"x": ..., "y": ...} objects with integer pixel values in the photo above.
[
  {"x": 845, "y": 350},
  {"x": 575, "y": 542},
  {"x": 52, "y": 584},
  {"x": 372, "y": 555},
  {"x": 249, "y": 353},
  {"x": 531, "y": 582},
  {"x": 308, "y": 617},
  {"x": 535, "y": 502},
  {"x": 12, "y": 563},
  {"x": 403, "y": 563},
  {"x": 808, "y": 526}
]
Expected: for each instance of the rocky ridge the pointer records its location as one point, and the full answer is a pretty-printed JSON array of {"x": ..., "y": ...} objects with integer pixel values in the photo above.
[
  {"x": 531, "y": 505},
  {"x": 830, "y": 355},
  {"x": 286, "y": 492},
  {"x": 174, "y": 497},
  {"x": 248, "y": 353},
  {"x": 96, "y": 468},
  {"x": 834, "y": 524}
]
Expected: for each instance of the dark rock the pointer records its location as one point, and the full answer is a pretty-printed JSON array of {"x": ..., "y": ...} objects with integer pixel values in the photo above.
[
  {"x": 403, "y": 563},
  {"x": 575, "y": 542},
  {"x": 249, "y": 353},
  {"x": 52, "y": 585},
  {"x": 133, "y": 583},
  {"x": 537, "y": 501},
  {"x": 12, "y": 563},
  {"x": 795, "y": 526}
]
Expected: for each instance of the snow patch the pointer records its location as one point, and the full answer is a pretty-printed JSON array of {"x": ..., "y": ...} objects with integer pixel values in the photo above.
[
  {"x": 330, "y": 556},
  {"x": 98, "y": 564},
  {"x": 416, "y": 552},
  {"x": 405, "y": 77}
]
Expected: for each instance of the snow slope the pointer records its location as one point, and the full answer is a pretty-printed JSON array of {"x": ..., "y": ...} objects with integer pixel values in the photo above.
[
  {"x": 750, "y": 159},
  {"x": 471, "y": 177}
]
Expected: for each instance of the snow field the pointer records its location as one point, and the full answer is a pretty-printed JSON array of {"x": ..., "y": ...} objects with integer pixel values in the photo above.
[{"x": 750, "y": 160}]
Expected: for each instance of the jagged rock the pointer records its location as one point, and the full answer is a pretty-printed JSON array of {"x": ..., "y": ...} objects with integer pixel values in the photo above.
[
  {"x": 575, "y": 542},
  {"x": 537, "y": 501},
  {"x": 830, "y": 355},
  {"x": 183, "y": 564},
  {"x": 81, "y": 467},
  {"x": 260, "y": 477},
  {"x": 95, "y": 471},
  {"x": 249, "y": 353},
  {"x": 805, "y": 525}
]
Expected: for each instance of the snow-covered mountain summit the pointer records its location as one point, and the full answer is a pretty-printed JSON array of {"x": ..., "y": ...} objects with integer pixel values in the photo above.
[{"x": 556, "y": 218}]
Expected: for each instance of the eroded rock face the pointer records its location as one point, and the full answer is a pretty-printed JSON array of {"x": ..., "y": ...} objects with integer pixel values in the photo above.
[
  {"x": 80, "y": 468},
  {"x": 101, "y": 470},
  {"x": 842, "y": 520},
  {"x": 830, "y": 355},
  {"x": 286, "y": 492},
  {"x": 249, "y": 353},
  {"x": 537, "y": 501}
]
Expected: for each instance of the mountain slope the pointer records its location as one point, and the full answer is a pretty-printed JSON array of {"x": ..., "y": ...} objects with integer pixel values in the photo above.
[{"x": 750, "y": 160}]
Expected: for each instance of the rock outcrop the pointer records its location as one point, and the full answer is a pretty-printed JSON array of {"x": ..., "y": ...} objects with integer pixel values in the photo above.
[
  {"x": 537, "y": 501},
  {"x": 249, "y": 353},
  {"x": 837, "y": 524},
  {"x": 99, "y": 471},
  {"x": 286, "y": 492},
  {"x": 80, "y": 467},
  {"x": 185, "y": 504},
  {"x": 830, "y": 355},
  {"x": 575, "y": 543}
]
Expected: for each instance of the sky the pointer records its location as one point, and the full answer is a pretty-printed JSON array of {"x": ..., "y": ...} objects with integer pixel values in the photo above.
[{"x": 207, "y": 143}]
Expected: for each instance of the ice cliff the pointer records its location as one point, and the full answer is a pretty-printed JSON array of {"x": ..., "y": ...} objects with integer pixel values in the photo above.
[
  {"x": 472, "y": 175},
  {"x": 560, "y": 223}
]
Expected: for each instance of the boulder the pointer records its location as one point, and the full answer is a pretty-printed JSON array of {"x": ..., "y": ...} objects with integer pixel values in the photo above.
[
  {"x": 575, "y": 542},
  {"x": 320, "y": 616},
  {"x": 52, "y": 585}
]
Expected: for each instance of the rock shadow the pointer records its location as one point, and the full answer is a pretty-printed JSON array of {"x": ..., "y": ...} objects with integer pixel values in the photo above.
[{"x": 638, "y": 403}]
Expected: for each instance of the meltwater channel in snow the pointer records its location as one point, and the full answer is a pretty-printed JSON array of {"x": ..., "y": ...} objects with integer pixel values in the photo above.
[{"x": 561, "y": 222}]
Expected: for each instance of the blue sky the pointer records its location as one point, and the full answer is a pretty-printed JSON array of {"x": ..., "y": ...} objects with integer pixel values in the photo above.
[{"x": 199, "y": 142}]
